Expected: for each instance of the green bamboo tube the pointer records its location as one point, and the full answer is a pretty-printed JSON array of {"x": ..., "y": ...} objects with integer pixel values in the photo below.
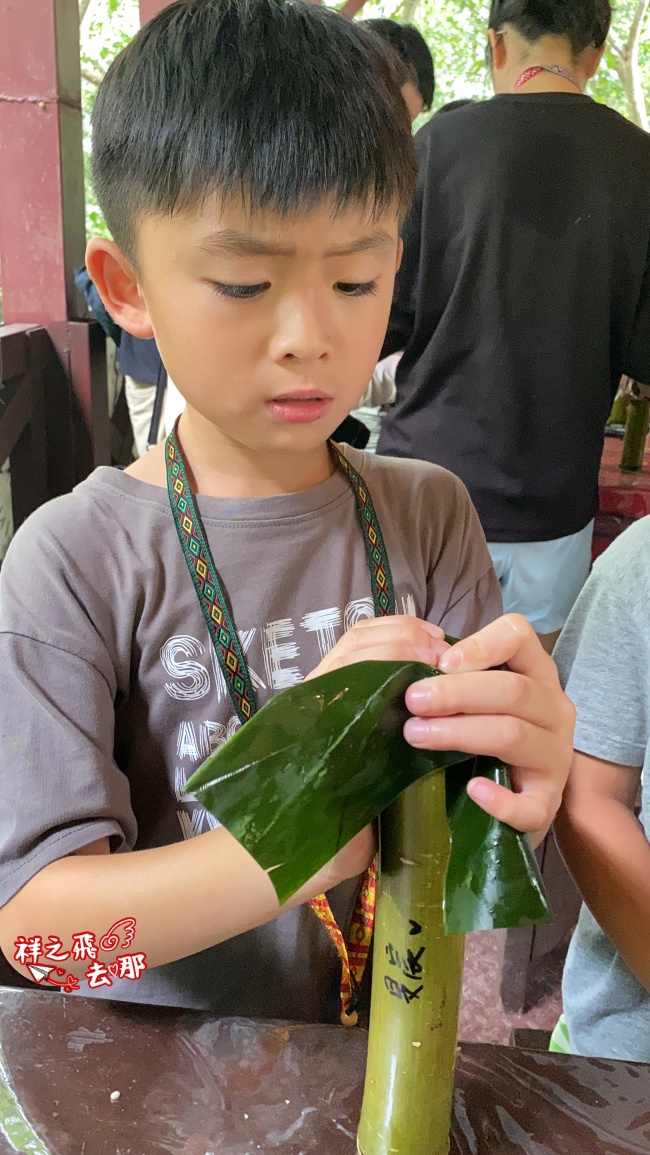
[
  {"x": 636, "y": 431},
  {"x": 619, "y": 409},
  {"x": 416, "y": 985}
]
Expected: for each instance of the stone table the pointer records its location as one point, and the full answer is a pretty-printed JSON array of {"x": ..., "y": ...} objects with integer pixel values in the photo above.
[{"x": 190, "y": 1084}]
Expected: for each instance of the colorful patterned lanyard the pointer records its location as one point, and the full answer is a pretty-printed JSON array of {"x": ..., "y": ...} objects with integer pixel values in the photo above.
[
  {"x": 354, "y": 952},
  {"x": 556, "y": 69}
]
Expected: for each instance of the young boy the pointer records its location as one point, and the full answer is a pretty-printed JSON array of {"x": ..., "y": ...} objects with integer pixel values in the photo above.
[
  {"x": 255, "y": 198},
  {"x": 604, "y": 658}
]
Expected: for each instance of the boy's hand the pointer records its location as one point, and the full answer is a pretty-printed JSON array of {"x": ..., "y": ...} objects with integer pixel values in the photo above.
[
  {"x": 395, "y": 639},
  {"x": 519, "y": 715},
  {"x": 352, "y": 859}
]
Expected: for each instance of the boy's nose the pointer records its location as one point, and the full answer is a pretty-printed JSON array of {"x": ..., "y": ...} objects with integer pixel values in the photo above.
[{"x": 299, "y": 334}]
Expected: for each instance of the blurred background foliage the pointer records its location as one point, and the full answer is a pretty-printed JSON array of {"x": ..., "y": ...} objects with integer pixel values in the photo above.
[{"x": 454, "y": 30}]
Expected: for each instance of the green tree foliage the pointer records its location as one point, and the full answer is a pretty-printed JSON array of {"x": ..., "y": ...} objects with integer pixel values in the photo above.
[
  {"x": 454, "y": 29},
  {"x": 627, "y": 62},
  {"x": 106, "y": 28}
]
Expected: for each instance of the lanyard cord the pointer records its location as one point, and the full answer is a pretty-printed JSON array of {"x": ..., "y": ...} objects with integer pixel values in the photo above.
[
  {"x": 354, "y": 951},
  {"x": 556, "y": 69}
]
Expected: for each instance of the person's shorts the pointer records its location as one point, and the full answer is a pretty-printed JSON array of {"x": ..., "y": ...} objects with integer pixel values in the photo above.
[{"x": 542, "y": 579}]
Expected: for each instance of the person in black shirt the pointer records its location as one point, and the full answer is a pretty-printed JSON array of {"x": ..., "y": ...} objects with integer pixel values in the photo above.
[
  {"x": 524, "y": 295},
  {"x": 453, "y": 106},
  {"x": 416, "y": 73}
]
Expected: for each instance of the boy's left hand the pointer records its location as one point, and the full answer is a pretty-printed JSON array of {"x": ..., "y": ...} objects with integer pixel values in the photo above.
[{"x": 519, "y": 715}]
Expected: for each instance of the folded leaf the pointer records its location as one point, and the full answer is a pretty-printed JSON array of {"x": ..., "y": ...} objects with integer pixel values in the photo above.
[
  {"x": 493, "y": 879},
  {"x": 314, "y": 766},
  {"x": 324, "y": 758}
]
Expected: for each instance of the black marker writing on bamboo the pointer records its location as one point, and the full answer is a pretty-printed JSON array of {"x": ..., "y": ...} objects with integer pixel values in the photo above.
[{"x": 411, "y": 966}]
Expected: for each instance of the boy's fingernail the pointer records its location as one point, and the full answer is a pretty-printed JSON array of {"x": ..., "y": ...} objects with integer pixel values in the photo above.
[
  {"x": 449, "y": 661},
  {"x": 435, "y": 631},
  {"x": 418, "y": 696},
  {"x": 479, "y": 791},
  {"x": 430, "y": 657},
  {"x": 416, "y": 731}
]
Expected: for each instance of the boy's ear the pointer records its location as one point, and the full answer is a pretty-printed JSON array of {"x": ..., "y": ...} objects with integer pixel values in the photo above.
[
  {"x": 400, "y": 254},
  {"x": 118, "y": 286}
]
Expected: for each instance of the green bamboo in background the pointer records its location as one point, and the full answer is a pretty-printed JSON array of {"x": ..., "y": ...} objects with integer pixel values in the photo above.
[
  {"x": 416, "y": 985},
  {"x": 636, "y": 431},
  {"x": 619, "y": 409}
]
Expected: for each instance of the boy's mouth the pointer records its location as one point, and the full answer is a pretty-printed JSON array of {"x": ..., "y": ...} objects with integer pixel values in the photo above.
[{"x": 300, "y": 406}]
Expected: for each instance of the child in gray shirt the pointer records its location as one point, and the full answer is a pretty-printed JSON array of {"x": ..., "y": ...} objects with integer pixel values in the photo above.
[{"x": 604, "y": 660}]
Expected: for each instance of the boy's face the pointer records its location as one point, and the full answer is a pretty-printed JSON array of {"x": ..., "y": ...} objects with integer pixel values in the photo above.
[{"x": 269, "y": 327}]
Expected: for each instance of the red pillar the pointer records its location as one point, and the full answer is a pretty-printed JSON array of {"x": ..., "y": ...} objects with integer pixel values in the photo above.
[
  {"x": 42, "y": 226},
  {"x": 42, "y": 232}
]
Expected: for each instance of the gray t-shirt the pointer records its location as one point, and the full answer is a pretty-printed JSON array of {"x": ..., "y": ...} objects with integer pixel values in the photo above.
[
  {"x": 604, "y": 660},
  {"x": 111, "y": 694}
]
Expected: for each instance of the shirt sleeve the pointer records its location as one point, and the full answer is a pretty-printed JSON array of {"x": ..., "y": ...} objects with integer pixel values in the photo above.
[
  {"x": 381, "y": 390},
  {"x": 475, "y": 609},
  {"x": 60, "y": 788},
  {"x": 463, "y": 592},
  {"x": 603, "y": 654}
]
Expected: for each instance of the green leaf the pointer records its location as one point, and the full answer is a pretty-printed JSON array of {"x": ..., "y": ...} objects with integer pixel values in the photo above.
[
  {"x": 323, "y": 759},
  {"x": 493, "y": 880},
  {"x": 314, "y": 766}
]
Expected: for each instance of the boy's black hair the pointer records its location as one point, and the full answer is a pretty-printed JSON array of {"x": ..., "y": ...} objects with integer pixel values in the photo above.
[
  {"x": 413, "y": 49},
  {"x": 251, "y": 98},
  {"x": 584, "y": 23}
]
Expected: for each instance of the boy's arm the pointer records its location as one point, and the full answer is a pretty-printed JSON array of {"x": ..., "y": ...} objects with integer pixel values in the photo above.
[
  {"x": 194, "y": 894},
  {"x": 606, "y": 850},
  {"x": 184, "y": 898}
]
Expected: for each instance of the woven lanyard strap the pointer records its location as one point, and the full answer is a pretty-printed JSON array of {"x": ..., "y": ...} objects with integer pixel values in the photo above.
[
  {"x": 556, "y": 69},
  {"x": 196, "y": 550},
  {"x": 353, "y": 951}
]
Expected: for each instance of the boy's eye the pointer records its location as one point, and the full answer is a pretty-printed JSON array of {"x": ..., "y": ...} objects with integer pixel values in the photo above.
[
  {"x": 356, "y": 288},
  {"x": 239, "y": 292}
]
